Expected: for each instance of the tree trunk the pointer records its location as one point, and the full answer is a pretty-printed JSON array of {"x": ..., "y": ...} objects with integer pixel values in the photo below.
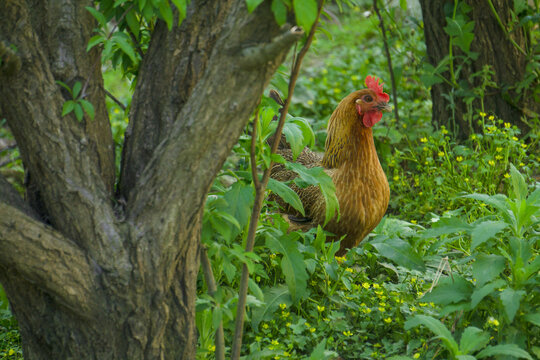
[
  {"x": 494, "y": 48},
  {"x": 86, "y": 277}
]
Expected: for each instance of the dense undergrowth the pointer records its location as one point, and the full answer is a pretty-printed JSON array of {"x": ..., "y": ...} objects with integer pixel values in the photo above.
[{"x": 452, "y": 271}]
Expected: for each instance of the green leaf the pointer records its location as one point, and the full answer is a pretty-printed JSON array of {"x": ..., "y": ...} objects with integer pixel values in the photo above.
[
  {"x": 68, "y": 107},
  {"x": 484, "y": 291},
  {"x": 446, "y": 226},
  {"x": 280, "y": 11},
  {"x": 125, "y": 46},
  {"x": 437, "y": 328},
  {"x": 504, "y": 349},
  {"x": 399, "y": 251},
  {"x": 448, "y": 291},
  {"x": 484, "y": 231},
  {"x": 511, "y": 300},
  {"x": 292, "y": 263},
  {"x": 181, "y": 5},
  {"x": 79, "y": 114},
  {"x": 273, "y": 296},
  {"x": 287, "y": 194},
  {"x": 88, "y": 108},
  {"x": 240, "y": 200},
  {"x": 65, "y": 86},
  {"x": 98, "y": 16},
  {"x": 166, "y": 13},
  {"x": 519, "y": 186},
  {"x": 320, "y": 352},
  {"x": 294, "y": 137},
  {"x": 308, "y": 135},
  {"x": 133, "y": 23},
  {"x": 252, "y": 4},
  {"x": 94, "y": 40},
  {"x": 76, "y": 89},
  {"x": 486, "y": 267},
  {"x": 255, "y": 290},
  {"x": 533, "y": 318},
  {"x": 306, "y": 13},
  {"x": 473, "y": 339}
]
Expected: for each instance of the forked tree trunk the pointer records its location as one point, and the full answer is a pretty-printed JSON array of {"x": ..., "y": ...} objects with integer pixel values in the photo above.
[
  {"x": 89, "y": 276},
  {"x": 494, "y": 49}
]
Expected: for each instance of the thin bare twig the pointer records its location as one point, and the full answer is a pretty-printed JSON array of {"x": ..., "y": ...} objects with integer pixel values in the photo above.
[
  {"x": 389, "y": 58},
  {"x": 212, "y": 288},
  {"x": 260, "y": 192},
  {"x": 252, "y": 154},
  {"x": 114, "y": 98}
]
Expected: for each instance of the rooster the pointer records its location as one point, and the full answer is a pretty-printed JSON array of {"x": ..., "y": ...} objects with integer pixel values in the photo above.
[{"x": 350, "y": 159}]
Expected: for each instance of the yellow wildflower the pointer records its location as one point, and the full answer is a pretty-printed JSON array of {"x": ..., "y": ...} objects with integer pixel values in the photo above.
[
  {"x": 283, "y": 306},
  {"x": 440, "y": 153},
  {"x": 515, "y": 138},
  {"x": 413, "y": 221},
  {"x": 498, "y": 157},
  {"x": 211, "y": 348},
  {"x": 459, "y": 158},
  {"x": 482, "y": 114},
  {"x": 507, "y": 125},
  {"x": 424, "y": 139},
  {"x": 388, "y": 320},
  {"x": 355, "y": 77},
  {"x": 396, "y": 178},
  {"x": 312, "y": 330},
  {"x": 347, "y": 333},
  {"x": 310, "y": 102},
  {"x": 320, "y": 308},
  {"x": 416, "y": 355},
  {"x": 275, "y": 342},
  {"x": 349, "y": 270},
  {"x": 491, "y": 162},
  {"x": 376, "y": 286},
  {"x": 337, "y": 90},
  {"x": 491, "y": 117},
  {"x": 499, "y": 149}
]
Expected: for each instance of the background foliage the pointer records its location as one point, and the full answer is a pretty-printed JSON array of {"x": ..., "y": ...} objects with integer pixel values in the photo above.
[{"x": 452, "y": 271}]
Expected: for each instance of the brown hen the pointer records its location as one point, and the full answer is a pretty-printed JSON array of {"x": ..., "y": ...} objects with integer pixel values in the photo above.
[{"x": 350, "y": 159}]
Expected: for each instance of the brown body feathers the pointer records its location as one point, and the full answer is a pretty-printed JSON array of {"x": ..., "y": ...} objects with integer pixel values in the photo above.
[{"x": 351, "y": 160}]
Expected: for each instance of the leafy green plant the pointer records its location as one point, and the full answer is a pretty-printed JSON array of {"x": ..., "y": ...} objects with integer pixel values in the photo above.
[{"x": 78, "y": 105}]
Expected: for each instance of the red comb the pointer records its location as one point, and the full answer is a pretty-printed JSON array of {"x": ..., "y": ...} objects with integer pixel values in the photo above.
[{"x": 373, "y": 83}]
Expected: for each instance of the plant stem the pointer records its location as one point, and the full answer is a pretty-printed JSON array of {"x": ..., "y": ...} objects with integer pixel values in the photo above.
[
  {"x": 260, "y": 193},
  {"x": 212, "y": 288},
  {"x": 387, "y": 51},
  {"x": 503, "y": 28}
]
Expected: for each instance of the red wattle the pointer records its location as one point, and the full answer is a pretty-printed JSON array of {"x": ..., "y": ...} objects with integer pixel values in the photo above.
[{"x": 371, "y": 118}]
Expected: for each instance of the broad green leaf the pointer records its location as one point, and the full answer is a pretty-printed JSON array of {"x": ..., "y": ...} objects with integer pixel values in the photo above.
[
  {"x": 519, "y": 186},
  {"x": 450, "y": 291},
  {"x": 217, "y": 317},
  {"x": 320, "y": 352},
  {"x": 94, "y": 40},
  {"x": 240, "y": 200},
  {"x": 79, "y": 114},
  {"x": 65, "y": 86},
  {"x": 181, "y": 5},
  {"x": 125, "y": 46},
  {"x": 504, "y": 349},
  {"x": 437, "y": 328},
  {"x": 252, "y": 4},
  {"x": 511, "y": 300},
  {"x": 88, "y": 108},
  {"x": 307, "y": 132},
  {"x": 68, "y": 107},
  {"x": 306, "y": 13},
  {"x": 465, "y": 357},
  {"x": 292, "y": 263},
  {"x": 98, "y": 16},
  {"x": 133, "y": 23},
  {"x": 399, "y": 357},
  {"x": 167, "y": 14},
  {"x": 497, "y": 201},
  {"x": 473, "y": 339},
  {"x": 533, "y": 318},
  {"x": 486, "y": 267},
  {"x": 446, "y": 226},
  {"x": 485, "y": 231},
  {"x": 273, "y": 297},
  {"x": 294, "y": 137},
  {"x": 484, "y": 291},
  {"x": 280, "y": 11},
  {"x": 399, "y": 251},
  {"x": 76, "y": 89},
  {"x": 287, "y": 194}
]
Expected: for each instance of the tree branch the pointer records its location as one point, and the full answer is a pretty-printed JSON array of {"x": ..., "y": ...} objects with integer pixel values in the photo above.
[
  {"x": 10, "y": 196},
  {"x": 260, "y": 192},
  {"x": 198, "y": 142},
  {"x": 44, "y": 257}
]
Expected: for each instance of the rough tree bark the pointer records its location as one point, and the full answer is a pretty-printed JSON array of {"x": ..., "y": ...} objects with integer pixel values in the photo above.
[
  {"x": 86, "y": 276},
  {"x": 494, "y": 48}
]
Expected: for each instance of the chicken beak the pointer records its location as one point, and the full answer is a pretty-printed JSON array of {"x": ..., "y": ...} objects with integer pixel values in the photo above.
[{"x": 383, "y": 106}]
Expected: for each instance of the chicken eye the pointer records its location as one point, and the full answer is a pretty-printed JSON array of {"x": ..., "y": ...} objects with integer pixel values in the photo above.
[{"x": 367, "y": 98}]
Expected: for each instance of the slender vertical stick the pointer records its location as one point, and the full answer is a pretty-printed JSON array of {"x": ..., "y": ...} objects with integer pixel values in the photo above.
[
  {"x": 387, "y": 51},
  {"x": 212, "y": 288},
  {"x": 259, "y": 196}
]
